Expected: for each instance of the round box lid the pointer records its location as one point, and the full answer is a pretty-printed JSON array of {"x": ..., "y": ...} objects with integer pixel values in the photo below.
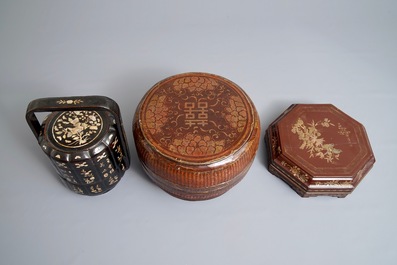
[
  {"x": 76, "y": 134},
  {"x": 196, "y": 118},
  {"x": 319, "y": 150}
]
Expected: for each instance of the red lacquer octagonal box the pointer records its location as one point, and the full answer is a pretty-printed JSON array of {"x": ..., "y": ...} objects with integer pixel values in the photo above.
[{"x": 318, "y": 150}]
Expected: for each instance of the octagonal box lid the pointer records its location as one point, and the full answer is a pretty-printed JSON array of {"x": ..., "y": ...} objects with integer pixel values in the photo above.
[{"x": 318, "y": 150}]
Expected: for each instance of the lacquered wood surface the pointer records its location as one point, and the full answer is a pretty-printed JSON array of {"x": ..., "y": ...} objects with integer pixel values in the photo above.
[{"x": 196, "y": 135}]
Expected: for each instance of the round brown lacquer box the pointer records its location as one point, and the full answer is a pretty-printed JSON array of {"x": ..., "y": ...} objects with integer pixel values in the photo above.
[
  {"x": 196, "y": 135},
  {"x": 318, "y": 150}
]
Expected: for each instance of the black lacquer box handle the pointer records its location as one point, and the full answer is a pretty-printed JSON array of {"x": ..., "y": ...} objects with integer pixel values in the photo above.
[{"x": 77, "y": 103}]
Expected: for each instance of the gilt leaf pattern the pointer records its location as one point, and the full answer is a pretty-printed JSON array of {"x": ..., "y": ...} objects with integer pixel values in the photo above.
[
  {"x": 192, "y": 144},
  {"x": 195, "y": 84},
  {"x": 156, "y": 113},
  {"x": 236, "y": 113},
  {"x": 311, "y": 139}
]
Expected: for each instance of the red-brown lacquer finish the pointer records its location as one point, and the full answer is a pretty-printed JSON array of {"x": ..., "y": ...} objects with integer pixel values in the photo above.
[
  {"x": 196, "y": 135},
  {"x": 318, "y": 150}
]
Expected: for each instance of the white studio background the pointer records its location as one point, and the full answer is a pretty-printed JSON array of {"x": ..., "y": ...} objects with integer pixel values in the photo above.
[{"x": 279, "y": 52}]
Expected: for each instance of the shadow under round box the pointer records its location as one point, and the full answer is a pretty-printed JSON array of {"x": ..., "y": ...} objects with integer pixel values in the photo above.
[
  {"x": 196, "y": 135},
  {"x": 318, "y": 150}
]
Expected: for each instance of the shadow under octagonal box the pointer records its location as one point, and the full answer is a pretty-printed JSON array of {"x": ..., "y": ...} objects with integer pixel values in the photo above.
[
  {"x": 318, "y": 150},
  {"x": 196, "y": 135}
]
